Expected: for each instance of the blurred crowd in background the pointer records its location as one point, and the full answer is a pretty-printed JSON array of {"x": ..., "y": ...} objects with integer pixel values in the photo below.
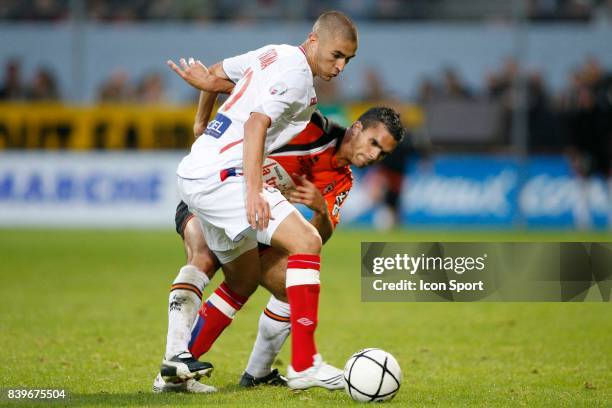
[
  {"x": 577, "y": 119},
  {"x": 514, "y": 109},
  {"x": 43, "y": 87},
  {"x": 248, "y": 10}
]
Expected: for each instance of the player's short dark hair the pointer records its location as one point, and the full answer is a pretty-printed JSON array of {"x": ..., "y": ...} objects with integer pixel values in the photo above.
[
  {"x": 388, "y": 117},
  {"x": 337, "y": 24}
]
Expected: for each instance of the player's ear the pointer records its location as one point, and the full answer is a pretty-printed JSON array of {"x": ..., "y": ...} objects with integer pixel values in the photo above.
[
  {"x": 313, "y": 37},
  {"x": 357, "y": 127}
]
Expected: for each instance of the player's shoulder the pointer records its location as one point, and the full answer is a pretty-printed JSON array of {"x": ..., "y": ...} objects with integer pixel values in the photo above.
[
  {"x": 289, "y": 61},
  {"x": 339, "y": 179},
  {"x": 290, "y": 52},
  {"x": 328, "y": 127}
]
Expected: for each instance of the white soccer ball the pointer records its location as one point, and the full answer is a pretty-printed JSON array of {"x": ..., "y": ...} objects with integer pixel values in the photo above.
[
  {"x": 372, "y": 375},
  {"x": 276, "y": 176}
]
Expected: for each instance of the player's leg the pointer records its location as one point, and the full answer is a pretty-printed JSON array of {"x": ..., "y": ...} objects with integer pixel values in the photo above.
[
  {"x": 273, "y": 263},
  {"x": 185, "y": 299},
  {"x": 274, "y": 325},
  {"x": 303, "y": 244},
  {"x": 220, "y": 209},
  {"x": 241, "y": 269}
]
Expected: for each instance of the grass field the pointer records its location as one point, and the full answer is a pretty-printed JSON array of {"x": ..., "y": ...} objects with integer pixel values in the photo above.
[{"x": 85, "y": 311}]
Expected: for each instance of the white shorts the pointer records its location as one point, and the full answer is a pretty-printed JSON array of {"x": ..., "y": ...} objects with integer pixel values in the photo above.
[{"x": 220, "y": 206}]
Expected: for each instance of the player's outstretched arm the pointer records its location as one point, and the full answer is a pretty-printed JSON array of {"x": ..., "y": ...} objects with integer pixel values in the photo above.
[
  {"x": 258, "y": 209},
  {"x": 206, "y": 103},
  {"x": 197, "y": 75},
  {"x": 308, "y": 194}
]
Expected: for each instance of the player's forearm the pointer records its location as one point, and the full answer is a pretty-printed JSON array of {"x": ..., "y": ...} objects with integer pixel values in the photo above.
[
  {"x": 217, "y": 70},
  {"x": 216, "y": 81},
  {"x": 206, "y": 104},
  {"x": 215, "y": 84},
  {"x": 253, "y": 151},
  {"x": 323, "y": 223}
]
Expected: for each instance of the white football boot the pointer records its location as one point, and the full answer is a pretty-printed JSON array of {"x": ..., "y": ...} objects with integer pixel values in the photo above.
[
  {"x": 320, "y": 374},
  {"x": 189, "y": 386}
]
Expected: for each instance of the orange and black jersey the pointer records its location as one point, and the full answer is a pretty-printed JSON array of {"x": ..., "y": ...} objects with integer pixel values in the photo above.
[{"x": 311, "y": 153}]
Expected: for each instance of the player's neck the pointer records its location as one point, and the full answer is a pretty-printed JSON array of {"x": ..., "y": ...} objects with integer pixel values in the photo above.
[
  {"x": 342, "y": 154},
  {"x": 308, "y": 52}
]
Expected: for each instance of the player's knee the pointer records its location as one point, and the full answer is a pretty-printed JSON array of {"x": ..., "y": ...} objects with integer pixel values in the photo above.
[
  {"x": 313, "y": 243},
  {"x": 242, "y": 285},
  {"x": 204, "y": 261},
  {"x": 275, "y": 284},
  {"x": 309, "y": 243}
]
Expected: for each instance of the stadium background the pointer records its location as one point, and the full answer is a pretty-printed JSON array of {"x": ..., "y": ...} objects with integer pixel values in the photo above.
[{"x": 509, "y": 111}]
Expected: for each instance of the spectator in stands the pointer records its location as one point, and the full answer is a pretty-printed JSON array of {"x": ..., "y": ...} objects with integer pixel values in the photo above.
[
  {"x": 374, "y": 88},
  {"x": 43, "y": 86},
  {"x": 47, "y": 10},
  {"x": 499, "y": 84},
  {"x": 246, "y": 10},
  {"x": 450, "y": 86},
  {"x": 98, "y": 10},
  {"x": 196, "y": 10},
  {"x": 602, "y": 15},
  {"x": 151, "y": 89},
  {"x": 588, "y": 107},
  {"x": 12, "y": 88},
  {"x": 427, "y": 91},
  {"x": 453, "y": 87},
  {"x": 544, "y": 133},
  {"x": 116, "y": 89}
]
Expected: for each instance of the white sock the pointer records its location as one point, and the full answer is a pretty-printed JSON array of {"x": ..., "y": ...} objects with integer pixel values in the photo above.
[
  {"x": 183, "y": 304},
  {"x": 274, "y": 328}
]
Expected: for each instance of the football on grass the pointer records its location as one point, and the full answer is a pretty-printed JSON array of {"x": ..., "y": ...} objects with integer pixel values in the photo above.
[{"x": 372, "y": 375}]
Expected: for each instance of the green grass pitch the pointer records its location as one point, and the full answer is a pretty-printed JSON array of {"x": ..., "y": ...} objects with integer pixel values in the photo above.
[{"x": 85, "y": 311}]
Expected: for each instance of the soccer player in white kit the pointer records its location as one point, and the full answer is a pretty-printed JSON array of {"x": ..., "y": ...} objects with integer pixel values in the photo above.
[{"x": 221, "y": 181}]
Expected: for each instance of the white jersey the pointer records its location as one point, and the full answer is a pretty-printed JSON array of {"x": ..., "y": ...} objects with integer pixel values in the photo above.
[{"x": 274, "y": 80}]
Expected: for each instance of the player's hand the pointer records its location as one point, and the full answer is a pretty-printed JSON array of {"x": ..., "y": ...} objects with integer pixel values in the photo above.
[
  {"x": 308, "y": 194},
  {"x": 194, "y": 73},
  {"x": 258, "y": 210}
]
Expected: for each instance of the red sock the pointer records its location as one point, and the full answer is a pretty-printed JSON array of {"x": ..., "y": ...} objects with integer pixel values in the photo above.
[
  {"x": 303, "y": 286},
  {"x": 213, "y": 317}
]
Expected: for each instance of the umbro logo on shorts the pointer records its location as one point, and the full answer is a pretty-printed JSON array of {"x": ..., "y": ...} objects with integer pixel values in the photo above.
[
  {"x": 270, "y": 189},
  {"x": 304, "y": 321}
]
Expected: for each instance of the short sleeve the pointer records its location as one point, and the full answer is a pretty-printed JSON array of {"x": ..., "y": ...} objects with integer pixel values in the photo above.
[
  {"x": 284, "y": 95},
  {"x": 235, "y": 67},
  {"x": 335, "y": 199}
]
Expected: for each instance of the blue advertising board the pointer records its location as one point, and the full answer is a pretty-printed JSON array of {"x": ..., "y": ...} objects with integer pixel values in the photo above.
[
  {"x": 446, "y": 191},
  {"x": 461, "y": 190},
  {"x": 470, "y": 191},
  {"x": 552, "y": 196}
]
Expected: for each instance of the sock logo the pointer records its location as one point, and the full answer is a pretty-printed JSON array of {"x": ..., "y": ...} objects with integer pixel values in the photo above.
[
  {"x": 177, "y": 303},
  {"x": 305, "y": 321}
]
